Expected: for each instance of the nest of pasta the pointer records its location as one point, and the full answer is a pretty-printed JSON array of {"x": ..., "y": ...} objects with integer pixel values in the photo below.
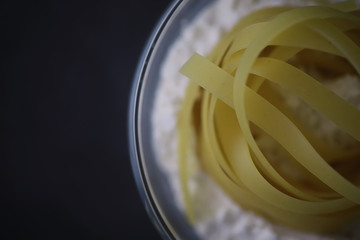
[{"x": 238, "y": 96}]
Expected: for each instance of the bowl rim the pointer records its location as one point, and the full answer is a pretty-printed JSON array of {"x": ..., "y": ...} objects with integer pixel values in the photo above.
[{"x": 133, "y": 123}]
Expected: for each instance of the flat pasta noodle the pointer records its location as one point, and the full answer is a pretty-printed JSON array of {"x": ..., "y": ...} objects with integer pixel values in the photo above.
[
  {"x": 183, "y": 138},
  {"x": 239, "y": 88}
]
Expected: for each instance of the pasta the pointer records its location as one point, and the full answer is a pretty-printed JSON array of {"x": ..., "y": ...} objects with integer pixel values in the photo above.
[{"x": 240, "y": 89}]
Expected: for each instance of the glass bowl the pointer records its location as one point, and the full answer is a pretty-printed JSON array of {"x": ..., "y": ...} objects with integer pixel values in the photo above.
[{"x": 152, "y": 183}]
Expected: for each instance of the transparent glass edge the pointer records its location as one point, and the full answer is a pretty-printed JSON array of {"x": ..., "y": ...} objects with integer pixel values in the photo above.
[{"x": 144, "y": 189}]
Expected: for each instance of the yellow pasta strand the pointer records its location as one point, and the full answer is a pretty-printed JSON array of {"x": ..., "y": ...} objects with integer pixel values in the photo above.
[
  {"x": 242, "y": 81},
  {"x": 184, "y": 123}
]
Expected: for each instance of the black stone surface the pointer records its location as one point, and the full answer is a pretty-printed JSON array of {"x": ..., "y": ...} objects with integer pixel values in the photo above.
[{"x": 66, "y": 73}]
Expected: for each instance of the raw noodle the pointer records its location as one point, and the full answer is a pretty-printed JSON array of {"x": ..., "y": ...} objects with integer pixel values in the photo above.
[{"x": 234, "y": 87}]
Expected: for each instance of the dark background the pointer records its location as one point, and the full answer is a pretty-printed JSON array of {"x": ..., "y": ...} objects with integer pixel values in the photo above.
[{"x": 66, "y": 74}]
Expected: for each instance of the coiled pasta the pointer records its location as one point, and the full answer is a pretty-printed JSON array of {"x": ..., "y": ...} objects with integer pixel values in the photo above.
[{"x": 239, "y": 90}]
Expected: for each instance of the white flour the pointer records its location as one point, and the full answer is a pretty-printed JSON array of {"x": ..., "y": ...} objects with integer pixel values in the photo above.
[{"x": 217, "y": 217}]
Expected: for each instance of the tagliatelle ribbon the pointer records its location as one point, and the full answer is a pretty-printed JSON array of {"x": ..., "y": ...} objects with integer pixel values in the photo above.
[{"x": 254, "y": 55}]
